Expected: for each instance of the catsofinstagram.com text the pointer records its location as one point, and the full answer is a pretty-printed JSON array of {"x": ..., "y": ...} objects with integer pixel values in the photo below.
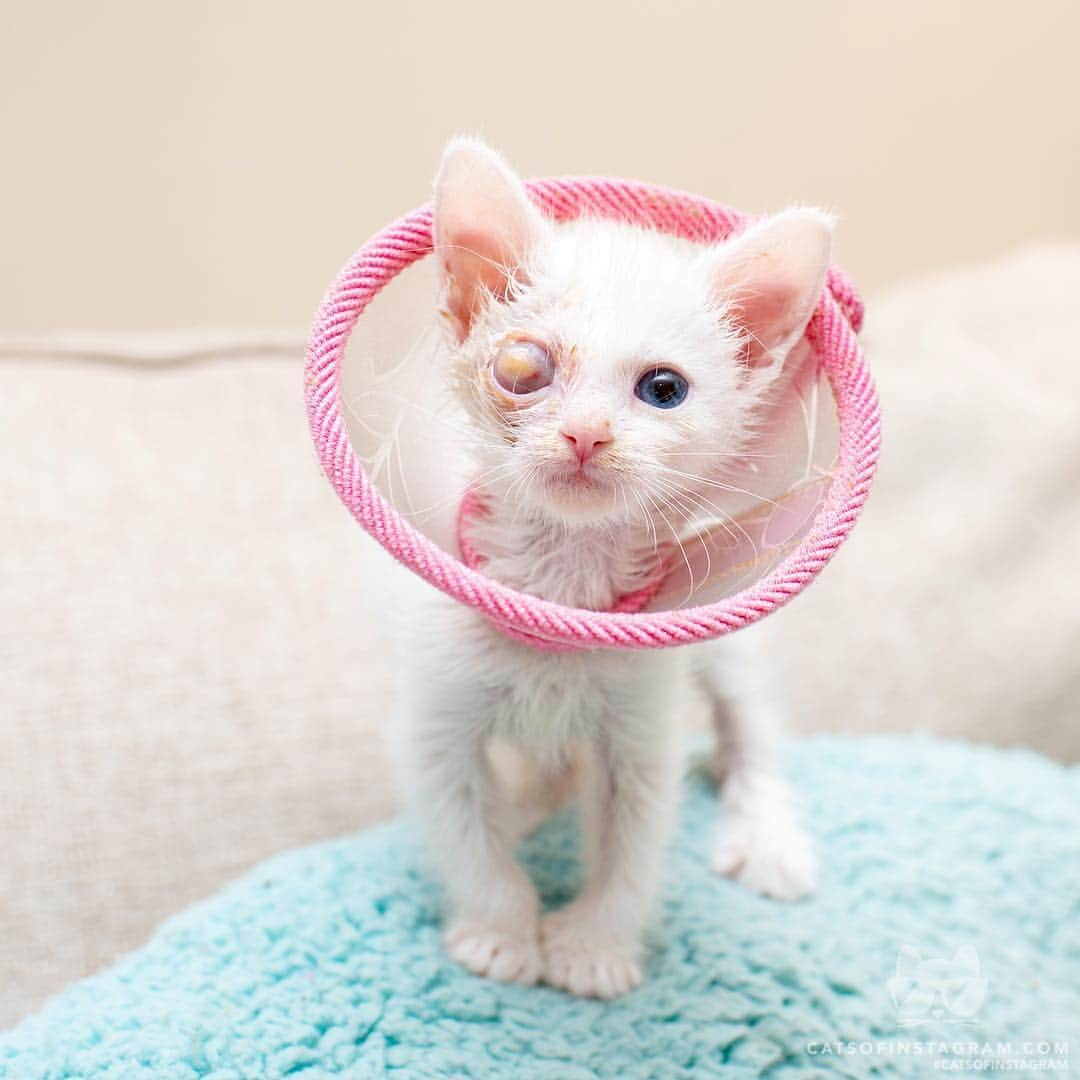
[{"x": 959, "y": 1056}]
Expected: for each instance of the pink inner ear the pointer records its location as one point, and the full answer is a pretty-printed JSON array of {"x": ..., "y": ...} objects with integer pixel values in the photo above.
[
  {"x": 484, "y": 227},
  {"x": 769, "y": 280},
  {"x": 474, "y": 265},
  {"x": 769, "y": 310}
]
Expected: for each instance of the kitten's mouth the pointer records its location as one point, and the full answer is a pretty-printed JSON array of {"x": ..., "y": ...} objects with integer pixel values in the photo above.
[
  {"x": 583, "y": 478},
  {"x": 580, "y": 494}
]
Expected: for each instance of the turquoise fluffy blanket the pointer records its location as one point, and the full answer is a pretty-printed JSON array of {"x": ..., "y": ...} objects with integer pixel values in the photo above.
[{"x": 946, "y": 934}]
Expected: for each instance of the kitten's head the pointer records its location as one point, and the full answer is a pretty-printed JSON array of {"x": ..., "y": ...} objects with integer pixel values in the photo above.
[{"x": 605, "y": 364}]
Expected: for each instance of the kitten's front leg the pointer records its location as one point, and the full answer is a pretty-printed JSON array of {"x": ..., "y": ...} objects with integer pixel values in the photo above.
[
  {"x": 494, "y": 926},
  {"x": 592, "y": 947}
]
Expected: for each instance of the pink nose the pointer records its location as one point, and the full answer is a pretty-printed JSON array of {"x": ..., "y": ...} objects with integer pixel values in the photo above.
[{"x": 587, "y": 439}]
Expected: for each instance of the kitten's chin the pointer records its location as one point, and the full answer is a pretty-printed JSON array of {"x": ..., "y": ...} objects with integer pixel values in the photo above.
[{"x": 575, "y": 500}]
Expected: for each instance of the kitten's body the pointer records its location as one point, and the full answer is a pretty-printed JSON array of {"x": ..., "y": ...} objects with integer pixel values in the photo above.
[{"x": 495, "y": 734}]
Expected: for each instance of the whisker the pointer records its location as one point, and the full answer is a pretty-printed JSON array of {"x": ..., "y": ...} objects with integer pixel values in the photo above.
[
  {"x": 733, "y": 489},
  {"x": 687, "y": 516},
  {"x": 719, "y": 515},
  {"x": 733, "y": 456},
  {"x": 682, "y": 550}
]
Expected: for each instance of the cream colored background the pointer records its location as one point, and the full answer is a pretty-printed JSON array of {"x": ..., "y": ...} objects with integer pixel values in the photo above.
[{"x": 202, "y": 163}]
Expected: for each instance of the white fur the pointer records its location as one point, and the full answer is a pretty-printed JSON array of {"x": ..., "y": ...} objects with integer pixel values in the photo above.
[{"x": 494, "y": 734}]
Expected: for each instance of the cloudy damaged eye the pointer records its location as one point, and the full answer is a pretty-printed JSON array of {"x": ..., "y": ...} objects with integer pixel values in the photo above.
[
  {"x": 523, "y": 367},
  {"x": 662, "y": 388}
]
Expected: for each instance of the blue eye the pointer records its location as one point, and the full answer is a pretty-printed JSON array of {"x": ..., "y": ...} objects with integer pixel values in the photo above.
[{"x": 662, "y": 388}]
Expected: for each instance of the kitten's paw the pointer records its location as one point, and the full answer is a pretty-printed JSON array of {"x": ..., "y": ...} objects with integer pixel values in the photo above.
[
  {"x": 584, "y": 961},
  {"x": 493, "y": 952},
  {"x": 772, "y": 857}
]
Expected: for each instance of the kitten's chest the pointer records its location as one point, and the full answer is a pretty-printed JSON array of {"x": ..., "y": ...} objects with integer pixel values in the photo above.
[
  {"x": 546, "y": 700},
  {"x": 590, "y": 569},
  {"x": 581, "y": 579}
]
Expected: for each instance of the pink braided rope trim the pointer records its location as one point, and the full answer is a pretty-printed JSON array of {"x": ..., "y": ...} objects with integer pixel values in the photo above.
[{"x": 541, "y": 623}]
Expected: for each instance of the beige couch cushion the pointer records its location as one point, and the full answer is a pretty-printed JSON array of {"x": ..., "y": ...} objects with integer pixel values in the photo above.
[
  {"x": 192, "y": 671},
  {"x": 956, "y": 605},
  {"x": 188, "y": 676}
]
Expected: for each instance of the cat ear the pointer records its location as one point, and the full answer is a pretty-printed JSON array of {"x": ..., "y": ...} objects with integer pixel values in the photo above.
[
  {"x": 484, "y": 229},
  {"x": 770, "y": 278}
]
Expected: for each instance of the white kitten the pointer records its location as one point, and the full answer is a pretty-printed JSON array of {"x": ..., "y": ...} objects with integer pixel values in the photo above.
[{"x": 600, "y": 363}]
